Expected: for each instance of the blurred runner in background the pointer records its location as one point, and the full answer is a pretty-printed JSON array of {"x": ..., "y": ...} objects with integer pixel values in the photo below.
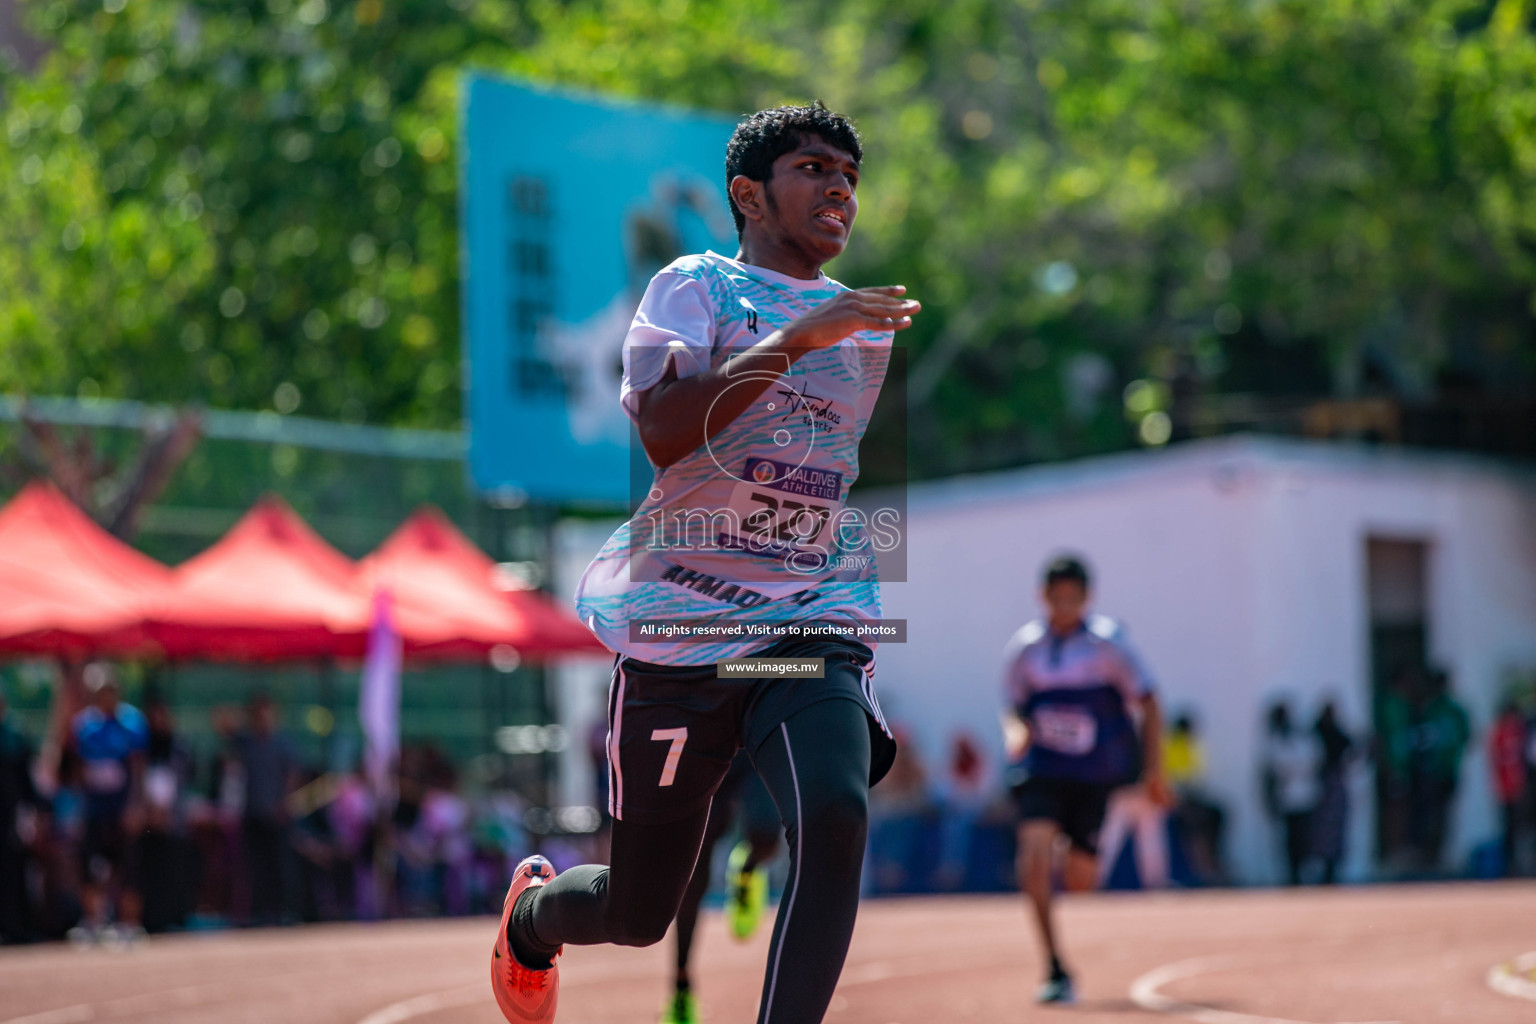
[
  {"x": 1074, "y": 690},
  {"x": 740, "y": 796}
]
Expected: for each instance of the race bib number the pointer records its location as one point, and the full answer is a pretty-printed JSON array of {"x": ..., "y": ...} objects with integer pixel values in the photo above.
[
  {"x": 778, "y": 508},
  {"x": 105, "y": 776},
  {"x": 1065, "y": 730}
]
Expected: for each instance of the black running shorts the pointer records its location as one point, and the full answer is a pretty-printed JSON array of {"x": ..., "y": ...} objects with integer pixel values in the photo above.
[
  {"x": 673, "y": 730},
  {"x": 1077, "y": 807}
]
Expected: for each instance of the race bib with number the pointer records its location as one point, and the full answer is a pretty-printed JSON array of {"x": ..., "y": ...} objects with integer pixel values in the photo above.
[
  {"x": 1065, "y": 730},
  {"x": 779, "y": 509}
]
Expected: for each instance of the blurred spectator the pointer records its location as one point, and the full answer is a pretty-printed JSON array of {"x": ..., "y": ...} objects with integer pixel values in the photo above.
[
  {"x": 58, "y": 850},
  {"x": 897, "y": 808},
  {"x": 964, "y": 798},
  {"x": 1198, "y": 819},
  {"x": 332, "y": 821},
  {"x": 351, "y": 820},
  {"x": 110, "y": 737},
  {"x": 269, "y": 770},
  {"x": 1394, "y": 713},
  {"x": 1507, "y": 742},
  {"x": 1441, "y": 732},
  {"x": 1134, "y": 814},
  {"x": 404, "y": 871},
  {"x": 1530, "y": 769},
  {"x": 444, "y": 835},
  {"x": 17, "y": 796},
  {"x": 161, "y": 865},
  {"x": 1291, "y": 759},
  {"x": 435, "y": 849},
  {"x": 1330, "y": 821}
]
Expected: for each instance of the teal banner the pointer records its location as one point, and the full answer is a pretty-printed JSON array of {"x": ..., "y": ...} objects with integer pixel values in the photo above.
[{"x": 569, "y": 204}]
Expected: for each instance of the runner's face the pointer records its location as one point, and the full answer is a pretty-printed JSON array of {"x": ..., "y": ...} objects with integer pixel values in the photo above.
[
  {"x": 1066, "y": 601},
  {"x": 811, "y": 199}
]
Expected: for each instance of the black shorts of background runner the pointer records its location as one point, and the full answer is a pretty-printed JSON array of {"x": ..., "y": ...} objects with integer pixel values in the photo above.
[
  {"x": 1076, "y": 807},
  {"x": 818, "y": 744},
  {"x": 740, "y": 797}
]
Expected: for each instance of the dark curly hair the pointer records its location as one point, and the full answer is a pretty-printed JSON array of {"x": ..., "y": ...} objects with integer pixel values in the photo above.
[
  {"x": 768, "y": 134},
  {"x": 1066, "y": 568}
]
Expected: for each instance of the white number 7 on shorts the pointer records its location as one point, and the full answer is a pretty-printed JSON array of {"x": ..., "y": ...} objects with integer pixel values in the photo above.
[{"x": 677, "y": 737}]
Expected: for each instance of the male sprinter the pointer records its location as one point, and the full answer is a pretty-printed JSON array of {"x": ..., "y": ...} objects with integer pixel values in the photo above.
[
  {"x": 751, "y": 381},
  {"x": 1072, "y": 685},
  {"x": 741, "y": 796}
]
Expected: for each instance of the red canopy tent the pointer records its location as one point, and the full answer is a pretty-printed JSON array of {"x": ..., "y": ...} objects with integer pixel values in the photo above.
[
  {"x": 68, "y": 587},
  {"x": 449, "y": 602},
  {"x": 271, "y": 589}
]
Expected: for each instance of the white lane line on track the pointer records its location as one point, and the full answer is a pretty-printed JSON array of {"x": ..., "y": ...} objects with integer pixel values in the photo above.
[
  {"x": 477, "y": 992},
  {"x": 143, "y": 1002},
  {"x": 918, "y": 966},
  {"x": 68, "y": 1015},
  {"x": 158, "y": 1000},
  {"x": 1145, "y": 993},
  {"x": 1516, "y": 977},
  {"x": 464, "y": 995},
  {"x": 420, "y": 1006}
]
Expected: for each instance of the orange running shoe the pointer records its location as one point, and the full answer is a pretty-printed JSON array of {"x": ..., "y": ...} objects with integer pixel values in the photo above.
[{"x": 525, "y": 996}]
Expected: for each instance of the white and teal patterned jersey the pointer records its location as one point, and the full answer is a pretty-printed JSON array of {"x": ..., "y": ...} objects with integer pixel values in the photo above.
[{"x": 753, "y": 526}]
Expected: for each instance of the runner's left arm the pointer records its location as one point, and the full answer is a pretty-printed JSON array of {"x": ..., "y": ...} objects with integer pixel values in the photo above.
[
  {"x": 1152, "y": 772},
  {"x": 1139, "y": 682},
  {"x": 678, "y": 414}
]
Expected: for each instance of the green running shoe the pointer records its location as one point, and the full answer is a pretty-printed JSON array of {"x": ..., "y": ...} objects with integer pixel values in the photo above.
[
  {"x": 682, "y": 1008},
  {"x": 746, "y": 893}
]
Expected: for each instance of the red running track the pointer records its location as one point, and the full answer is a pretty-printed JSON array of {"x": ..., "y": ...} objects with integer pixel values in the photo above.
[{"x": 1403, "y": 953}]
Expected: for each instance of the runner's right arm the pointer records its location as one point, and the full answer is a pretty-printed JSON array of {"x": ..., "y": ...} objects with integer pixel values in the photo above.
[
  {"x": 1017, "y": 733},
  {"x": 678, "y": 415}
]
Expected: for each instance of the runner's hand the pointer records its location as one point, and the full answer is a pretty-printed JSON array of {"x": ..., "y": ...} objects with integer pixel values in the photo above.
[
  {"x": 1158, "y": 791},
  {"x": 861, "y": 309},
  {"x": 1015, "y": 739}
]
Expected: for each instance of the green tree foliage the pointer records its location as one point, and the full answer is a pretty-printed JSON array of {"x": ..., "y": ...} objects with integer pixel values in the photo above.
[
  {"x": 238, "y": 202},
  {"x": 253, "y": 203}
]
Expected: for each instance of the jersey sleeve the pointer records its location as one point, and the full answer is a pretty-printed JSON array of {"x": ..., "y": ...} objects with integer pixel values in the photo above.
[
  {"x": 1135, "y": 677},
  {"x": 675, "y": 323},
  {"x": 1016, "y": 686}
]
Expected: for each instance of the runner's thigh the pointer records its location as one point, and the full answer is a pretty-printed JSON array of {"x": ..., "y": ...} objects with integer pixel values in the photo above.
[{"x": 671, "y": 735}]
